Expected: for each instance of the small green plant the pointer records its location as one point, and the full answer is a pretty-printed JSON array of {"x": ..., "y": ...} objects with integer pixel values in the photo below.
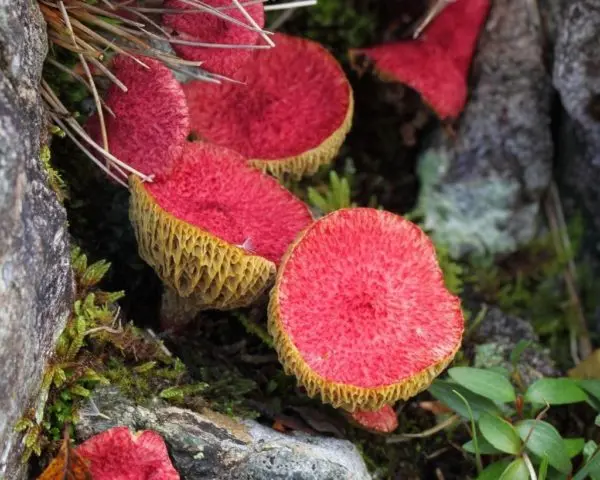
[
  {"x": 340, "y": 24},
  {"x": 55, "y": 181},
  {"x": 506, "y": 422},
  {"x": 95, "y": 349},
  {"x": 333, "y": 196},
  {"x": 72, "y": 372}
]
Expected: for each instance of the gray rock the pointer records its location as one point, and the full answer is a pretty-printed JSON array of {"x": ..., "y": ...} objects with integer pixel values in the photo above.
[
  {"x": 35, "y": 275},
  {"x": 212, "y": 446},
  {"x": 497, "y": 336},
  {"x": 481, "y": 191},
  {"x": 577, "y": 79}
]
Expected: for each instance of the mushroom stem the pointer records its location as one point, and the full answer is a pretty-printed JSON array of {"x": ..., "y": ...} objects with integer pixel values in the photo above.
[{"x": 176, "y": 312}]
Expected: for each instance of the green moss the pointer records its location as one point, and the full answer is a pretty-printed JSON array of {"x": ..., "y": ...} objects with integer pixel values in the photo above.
[
  {"x": 55, "y": 181},
  {"x": 339, "y": 24},
  {"x": 95, "y": 349}
]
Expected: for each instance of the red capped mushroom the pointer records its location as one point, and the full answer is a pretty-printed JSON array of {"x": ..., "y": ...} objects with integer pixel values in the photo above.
[
  {"x": 209, "y": 28},
  {"x": 215, "y": 229},
  {"x": 383, "y": 420},
  {"x": 437, "y": 63},
  {"x": 118, "y": 454},
  {"x": 151, "y": 121},
  {"x": 292, "y": 114},
  {"x": 360, "y": 313}
]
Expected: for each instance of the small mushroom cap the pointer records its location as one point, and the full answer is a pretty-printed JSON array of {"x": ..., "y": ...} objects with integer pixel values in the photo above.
[
  {"x": 118, "y": 454},
  {"x": 360, "y": 313},
  {"x": 215, "y": 229},
  {"x": 151, "y": 120},
  {"x": 383, "y": 420},
  {"x": 291, "y": 116},
  {"x": 207, "y": 27},
  {"x": 436, "y": 64}
]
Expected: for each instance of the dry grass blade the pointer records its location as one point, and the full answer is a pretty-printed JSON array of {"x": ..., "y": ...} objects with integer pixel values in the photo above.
[
  {"x": 288, "y": 5},
  {"x": 193, "y": 43},
  {"x": 94, "y": 32},
  {"x": 431, "y": 14},
  {"x": 581, "y": 345},
  {"x": 248, "y": 17},
  {"x": 89, "y": 76},
  {"x": 220, "y": 14},
  {"x": 57, "y": 109},
  {"x": 104, "y": 13},
  {"x": 80, "y": 79},
  {"x": 406, "y": 437}
]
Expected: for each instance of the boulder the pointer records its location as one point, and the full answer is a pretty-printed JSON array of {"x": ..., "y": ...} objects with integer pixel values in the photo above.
[
  {"x": 481, "y": 188},
  {"x": 36, "y": 286},
  {"x": 496, "y": 338},
  {"x": 210, "y": 445},
  {"x": 577, "y": 79}
]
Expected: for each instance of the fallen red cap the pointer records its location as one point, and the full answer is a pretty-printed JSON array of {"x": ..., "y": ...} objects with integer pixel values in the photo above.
[
  {"x": 118, "y": 454},
  {"x": 383, "y": 420},
  {"x": 151, "y": 120},
  {"x": 207, "y": 27},
  {"x": 437, "y": 63},
  {"x": 292, "y": 114}
]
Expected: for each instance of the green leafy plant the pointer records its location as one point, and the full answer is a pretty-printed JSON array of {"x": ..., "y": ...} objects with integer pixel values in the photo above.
[
  {"x": 334, "y": 196},
  {"x": 340, "y": 24},
  {"x": 95, "y": 349},
  {"x": 55, "y": 181},
  {"x": 72, "y": 372},
  {"x": 507, "y": 423}
]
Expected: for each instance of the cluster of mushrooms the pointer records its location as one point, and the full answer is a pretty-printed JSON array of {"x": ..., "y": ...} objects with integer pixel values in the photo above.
[{"x": 358, "y": 310}]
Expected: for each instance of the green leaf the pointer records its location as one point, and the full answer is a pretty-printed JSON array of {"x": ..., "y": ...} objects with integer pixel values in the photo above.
[
  {"x": 597, "y": 420},
  {"x": 317, "y": 200},
  {"x": 555, "y": 391},
  {"x": 60, "y": 377},
  {"x": 543, "y": 439},
  {"x": 485, "y": 447},
  {"x": 517, "y": 470},
  {"x": 80, "y": 390},
  {"x": 500, "y": 433},
  {"x": 591, "y": 386},
  {"x": 488, "y": 384},
  {"x": 520, "y": 347},
  {"x": 94, "y": 273},
  {"x": 474, "y": 430},
  {"x": 145, "y": 367},
  {"x": 574, "y": 446},
  {"x": 23, "y": 425},
  {"x": 543, "y": 472},
  {"x": 591, "y": 468},
  {"x": 442, "y": 390},
  {"x": 592, "y": 465},
  {"x": 494, "y": 470}
]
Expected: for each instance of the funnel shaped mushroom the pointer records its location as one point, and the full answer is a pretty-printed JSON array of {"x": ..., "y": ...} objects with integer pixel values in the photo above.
[
  {"x": 215, "y": 229},
  {"x": 436, "y": 64},
  {"x": 383, "y": 420},
  {"x": 151, "y": 120},
  {"x": 359, "y": 312},
  {"x": 292, "y": 114},
  {"x": 118, "y": 454},
  {"x": 209, "y": 28}
]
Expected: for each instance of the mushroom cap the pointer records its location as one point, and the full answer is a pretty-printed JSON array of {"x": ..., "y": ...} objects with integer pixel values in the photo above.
[
  {"x": 151, "y": 120},
  {"x": 436, "y": 64},
  {"x": 360, "y": 313},
  {"x": 118, "y": 454},
  {"x": 383, "y": 420},
  {"x": 208, "y": 28},
  {"x": 291, "y": 116},
  {"x": 215, "y": 229}
]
